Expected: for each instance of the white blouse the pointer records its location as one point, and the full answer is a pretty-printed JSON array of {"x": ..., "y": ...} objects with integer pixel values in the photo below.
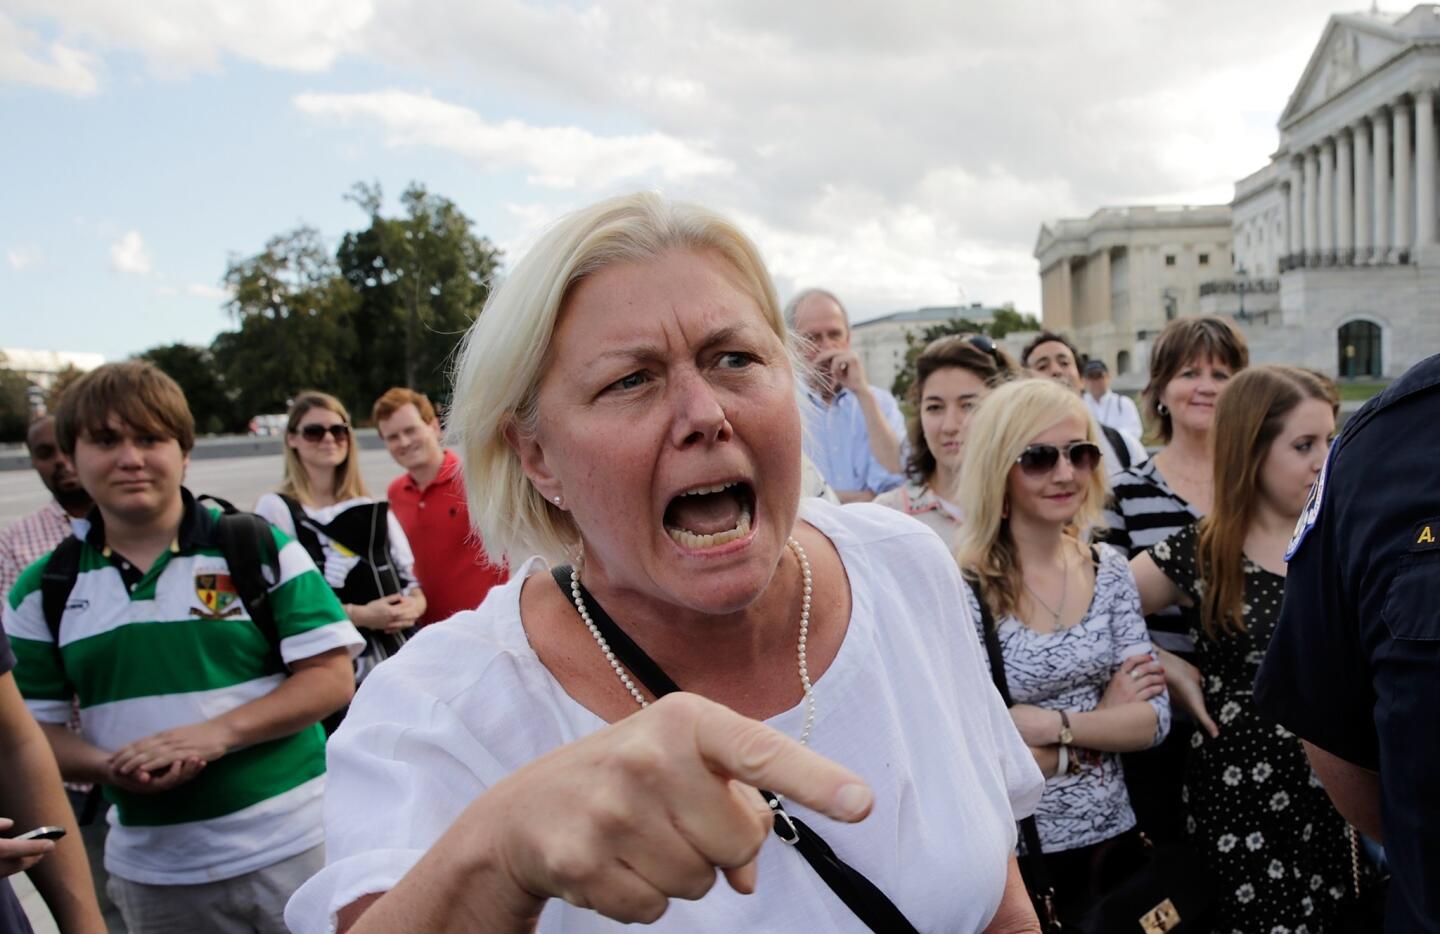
[{"x": 907, "y": 703}]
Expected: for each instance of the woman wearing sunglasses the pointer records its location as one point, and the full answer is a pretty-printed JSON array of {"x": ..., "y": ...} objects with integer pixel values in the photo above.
[
  {"x": 355, "y": 541},
  {"x": 1065, "y": 618},
  {"x": 952, "y": 375}
]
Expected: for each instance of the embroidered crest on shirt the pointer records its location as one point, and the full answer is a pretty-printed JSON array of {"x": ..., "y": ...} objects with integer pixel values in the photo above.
[{"x": 218, "y": 594}]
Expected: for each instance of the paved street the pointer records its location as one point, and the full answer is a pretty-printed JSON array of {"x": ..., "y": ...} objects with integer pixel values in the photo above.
[{"x": 241, "y": 480}]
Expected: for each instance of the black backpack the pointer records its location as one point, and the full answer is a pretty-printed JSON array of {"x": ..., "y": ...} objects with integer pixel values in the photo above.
[{"x": 246, "y": 541}]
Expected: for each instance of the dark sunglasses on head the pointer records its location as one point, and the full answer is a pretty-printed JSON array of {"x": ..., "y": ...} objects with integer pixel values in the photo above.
[
  {"x": 1042, "y": 458},
  {"x": 316, "y": 433}
]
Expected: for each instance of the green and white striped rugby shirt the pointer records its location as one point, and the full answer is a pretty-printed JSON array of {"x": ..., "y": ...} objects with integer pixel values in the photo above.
[{"x": 171, "y": 647}]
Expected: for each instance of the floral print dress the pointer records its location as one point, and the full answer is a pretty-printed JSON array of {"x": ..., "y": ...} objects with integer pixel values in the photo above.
[{"x": 1277, "y": 848}]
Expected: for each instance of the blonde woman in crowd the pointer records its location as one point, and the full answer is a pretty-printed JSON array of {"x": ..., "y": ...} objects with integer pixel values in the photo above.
[
  {"x": 627, "y": 409},
  {"x": 356, "y": 542},
  {"x": 1065, "y": 618}
]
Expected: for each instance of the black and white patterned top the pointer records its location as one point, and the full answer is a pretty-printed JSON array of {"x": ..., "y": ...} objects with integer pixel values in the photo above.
[
  {"x": 1143, "y": 511},
  {"x": 1069, "y": 670}
]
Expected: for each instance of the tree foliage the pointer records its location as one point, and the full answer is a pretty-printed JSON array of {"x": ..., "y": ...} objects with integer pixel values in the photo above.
[
  {"x": 1004, "y": 320},
  {"x": 387, "y": 307},
  {"x": 14, "y": 403},
  {"x": 195, "y": 370},
  {"x": 419, "y": 279}
]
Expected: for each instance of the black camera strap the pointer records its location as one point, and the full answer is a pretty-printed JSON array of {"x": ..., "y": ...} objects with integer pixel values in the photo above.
[{"x": 858, "y": 893}]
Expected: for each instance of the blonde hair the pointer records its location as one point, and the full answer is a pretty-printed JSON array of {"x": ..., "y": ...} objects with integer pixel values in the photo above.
[
  {"x": 1006, "y": 422},
  {"x": 507, "y": 351},
  {"x": 296, "y": 484}
]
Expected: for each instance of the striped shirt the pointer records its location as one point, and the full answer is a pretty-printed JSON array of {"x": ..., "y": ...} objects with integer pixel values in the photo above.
[
  {"x": 1142, "y": 512},
  {"x": 173, "y": 646}
]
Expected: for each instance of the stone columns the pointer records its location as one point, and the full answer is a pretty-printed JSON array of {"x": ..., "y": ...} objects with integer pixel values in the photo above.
[
  {"x": 1404, "y": 195},
  {"x": 1312, "y": 214},
  {"x": 1383, "y": 242},
  {"x": 1296, "y": 232},
  {"x": 1327, "y": 196},
  {"x": 1424, "y": 167},
  {"x": 1344, "y": 190},
  {"x": 1363, "y": 182}
]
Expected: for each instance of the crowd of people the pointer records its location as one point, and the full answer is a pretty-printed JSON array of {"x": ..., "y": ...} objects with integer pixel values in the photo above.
[{"x": 683, "y": 581}]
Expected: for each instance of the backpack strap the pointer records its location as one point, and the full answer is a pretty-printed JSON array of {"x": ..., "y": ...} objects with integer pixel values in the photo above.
[
  {"x": 58, "y": 580},
  {"x": 304, "y": 530},
  {"x": 248, "y": 543},
  {"x": 1117, "y": 444}
]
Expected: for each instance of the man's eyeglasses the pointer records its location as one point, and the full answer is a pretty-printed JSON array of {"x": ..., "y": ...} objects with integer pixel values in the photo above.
[
  {"x": 1040, "y": 459},
  {"x": 316, "y": 433}
]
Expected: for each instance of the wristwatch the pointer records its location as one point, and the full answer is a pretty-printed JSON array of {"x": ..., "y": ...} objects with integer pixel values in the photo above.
[{"x": 1067, "y": 738}]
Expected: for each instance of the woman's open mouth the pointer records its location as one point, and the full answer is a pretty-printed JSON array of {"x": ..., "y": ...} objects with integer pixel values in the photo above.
[{"x": 711, "y": 516}]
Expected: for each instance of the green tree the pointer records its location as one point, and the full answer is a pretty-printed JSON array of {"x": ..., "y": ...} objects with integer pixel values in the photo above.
[
  {"x": 420, "y": 280},
  {"x": 63, "y": 381},
  {"x": 1007, "y": 320},
  {"x": 914, "y": 344},
  {"x": 296, "y": 330},
  {"x": 195, "y": 369},
  {"x": 14, "y": 403}
]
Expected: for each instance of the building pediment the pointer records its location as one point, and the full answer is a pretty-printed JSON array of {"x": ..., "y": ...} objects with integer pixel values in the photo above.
[{"x": 1352, "y": 46}]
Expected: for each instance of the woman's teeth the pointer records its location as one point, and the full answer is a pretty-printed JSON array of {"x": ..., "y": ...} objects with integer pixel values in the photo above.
[{"x": 688, "y": 539}]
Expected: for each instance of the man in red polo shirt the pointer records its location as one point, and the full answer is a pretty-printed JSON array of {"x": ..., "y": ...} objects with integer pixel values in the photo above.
[{"x": 429, "y": 501}]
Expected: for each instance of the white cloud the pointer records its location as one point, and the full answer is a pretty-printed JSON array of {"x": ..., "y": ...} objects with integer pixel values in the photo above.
[
  {"x": 22, "y": 258},
  {"x": 551, "y": 156},
  {"x": 28, "y": 61},
  {"x": 201, "y": 290},
  {"x": 898, "y": 151},
  {"x": 129, "y": 255},
  {"x": 177, "y": 37}
]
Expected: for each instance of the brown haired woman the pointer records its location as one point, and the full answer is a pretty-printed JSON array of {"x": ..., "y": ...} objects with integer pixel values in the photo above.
[
  {"x": 1254, "y": 811},
  {"x": 1190, "y": 363},
  {"x": 356, "y": 542},
  {"x": 952, "y": 375}
]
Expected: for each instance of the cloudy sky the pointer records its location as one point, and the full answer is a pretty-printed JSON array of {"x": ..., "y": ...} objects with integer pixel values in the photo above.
[{"x": 900, "y": 153}]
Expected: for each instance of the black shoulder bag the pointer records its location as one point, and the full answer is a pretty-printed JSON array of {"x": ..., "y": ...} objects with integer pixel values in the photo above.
[
  {"x": 858, "y": 893},
  {"x": 1170, "y": 894}
]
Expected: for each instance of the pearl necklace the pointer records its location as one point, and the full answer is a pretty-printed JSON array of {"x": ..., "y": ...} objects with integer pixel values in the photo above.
[{"x": 630, "y": 686}]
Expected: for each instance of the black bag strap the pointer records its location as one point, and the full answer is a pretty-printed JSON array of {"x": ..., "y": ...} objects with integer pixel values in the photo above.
[
  {"x": 1117, "y": 444},
  {"x": 61, "y": 571},
  {"x": 858, "y": 893},
  {"x": 248, "y": 544},
  {"x": 1034, "y": 858}
]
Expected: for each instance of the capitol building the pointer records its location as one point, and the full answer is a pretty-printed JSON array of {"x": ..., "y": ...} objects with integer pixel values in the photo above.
[{"x": 1327, "y": 257}]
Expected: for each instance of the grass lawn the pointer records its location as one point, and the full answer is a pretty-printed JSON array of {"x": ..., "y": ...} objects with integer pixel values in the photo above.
[{"x": 1360, "y": 390}]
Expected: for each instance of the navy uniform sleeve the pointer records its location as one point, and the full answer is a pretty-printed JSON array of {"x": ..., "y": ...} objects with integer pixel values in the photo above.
[{"x": 1315, "y": 680}]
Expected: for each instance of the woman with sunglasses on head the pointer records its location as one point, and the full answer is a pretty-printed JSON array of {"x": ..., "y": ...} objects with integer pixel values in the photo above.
[
  {"x": 952, "y": 375},
  {"x": 1280, "y": 852},
  {"x": 356, "y": 542},
  {"x": 1065, "y": 618}
]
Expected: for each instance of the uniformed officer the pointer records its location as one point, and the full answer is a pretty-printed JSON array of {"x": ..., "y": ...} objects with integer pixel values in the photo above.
[{"x": 1354, "y": 665}]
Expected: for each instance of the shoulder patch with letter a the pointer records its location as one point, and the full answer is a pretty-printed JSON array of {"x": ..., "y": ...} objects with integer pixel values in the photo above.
[{"x": 1426, "y": 535}]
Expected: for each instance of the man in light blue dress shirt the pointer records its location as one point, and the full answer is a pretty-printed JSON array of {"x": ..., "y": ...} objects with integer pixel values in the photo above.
[{"x": 855, "y": 430}]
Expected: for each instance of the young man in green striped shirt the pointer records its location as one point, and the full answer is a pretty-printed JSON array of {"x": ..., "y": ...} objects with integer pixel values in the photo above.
[{"x": 208, "y": 745}]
